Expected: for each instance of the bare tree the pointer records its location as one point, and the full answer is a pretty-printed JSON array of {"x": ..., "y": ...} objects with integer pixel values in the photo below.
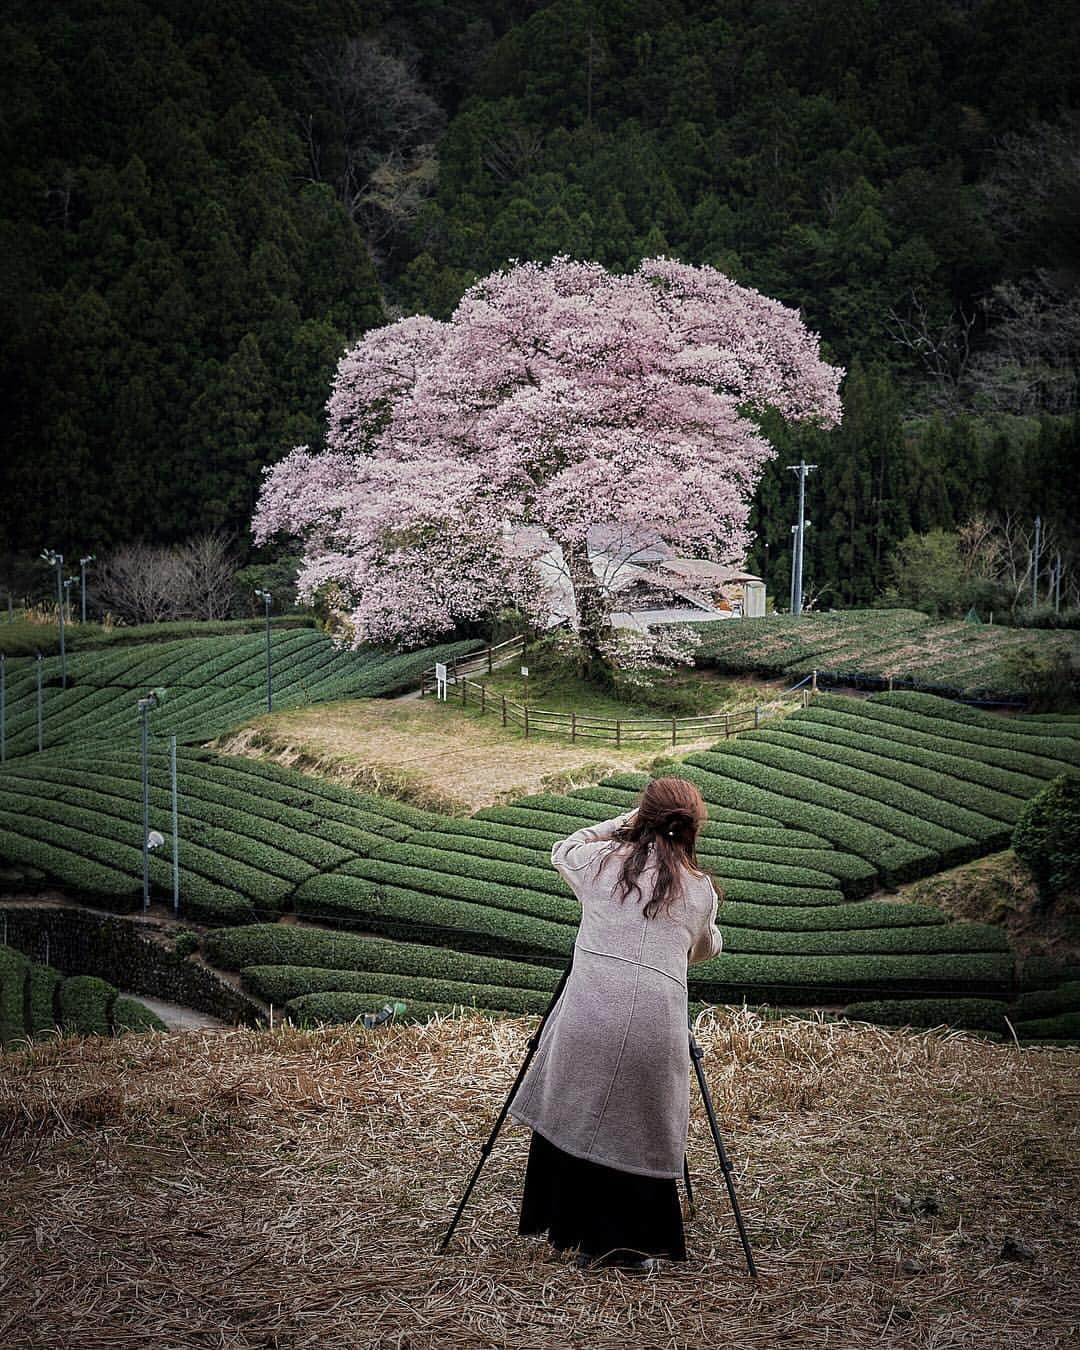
[
  {"x": 207, "y": 572},
  {"x": 141, "y": 584},
  {"x": 1033, "y": 355},
  {"x": 942, "y": 348},
  {"x": 387, "y": 124},
  {"x": 144, "y": 583}
]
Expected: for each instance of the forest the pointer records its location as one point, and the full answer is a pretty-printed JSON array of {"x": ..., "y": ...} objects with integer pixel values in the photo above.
[{"x": 207, "y": 203}]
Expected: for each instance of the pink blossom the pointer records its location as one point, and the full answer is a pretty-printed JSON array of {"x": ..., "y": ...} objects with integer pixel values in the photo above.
[{"x": 557, "y": 395}]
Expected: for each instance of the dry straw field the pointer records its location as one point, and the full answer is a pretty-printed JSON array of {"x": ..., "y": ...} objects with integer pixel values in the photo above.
[{"x": 287, "y": 1189}]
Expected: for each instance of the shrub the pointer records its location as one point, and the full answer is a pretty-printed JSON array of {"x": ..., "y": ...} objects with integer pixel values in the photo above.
[
  {"x": 44, "y": 983},
  {"x": 86, "y": 1006},
  {"x": 1047, "y": 837},
  {"x": 1046, "y": 1002},
  {"x": 13, "y": 974},
  {"x": 186, "y": 942}
]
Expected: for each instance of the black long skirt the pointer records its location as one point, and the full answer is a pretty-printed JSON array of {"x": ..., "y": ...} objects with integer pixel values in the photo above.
[{"x": 601, "y": 1210}]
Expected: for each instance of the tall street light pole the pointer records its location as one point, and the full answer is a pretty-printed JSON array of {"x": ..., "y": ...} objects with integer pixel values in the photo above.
[
  {"x": 266, "y": 597},
  {"x": 82, "y": 581},
  {"x": 146, "y": 706},
  {"x": 1035, "y": 563},
  {"x": 802, "y": 469},
  {"x": 57, "y": 559}
]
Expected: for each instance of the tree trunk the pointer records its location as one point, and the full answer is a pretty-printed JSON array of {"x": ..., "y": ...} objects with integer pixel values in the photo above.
[{"x": 592, "y": 608}]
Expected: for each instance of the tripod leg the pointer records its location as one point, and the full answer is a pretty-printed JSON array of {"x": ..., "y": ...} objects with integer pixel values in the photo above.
[
  {"x": 725, "y": 1165},
  {"x": 534, "y": 1041},
  {"x": 689, "y": 1186}
]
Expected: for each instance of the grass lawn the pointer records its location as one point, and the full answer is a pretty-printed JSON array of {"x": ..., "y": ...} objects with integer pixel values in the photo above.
[{"x": 449, "y": 758}]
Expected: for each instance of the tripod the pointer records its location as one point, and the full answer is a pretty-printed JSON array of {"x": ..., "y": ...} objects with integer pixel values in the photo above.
[{"x": 696, "y": 1055}]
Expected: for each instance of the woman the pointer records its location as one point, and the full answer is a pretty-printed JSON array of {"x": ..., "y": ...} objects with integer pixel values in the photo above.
[{"x": 608, "y": 1092}]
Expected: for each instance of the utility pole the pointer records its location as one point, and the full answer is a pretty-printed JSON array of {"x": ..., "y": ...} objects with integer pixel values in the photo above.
[
  {"x": 794, "y": 546},
  {"x": 802, "y": 469}
]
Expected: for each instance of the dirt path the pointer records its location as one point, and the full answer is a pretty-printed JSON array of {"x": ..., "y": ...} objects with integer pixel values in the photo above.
[{"x": 176, "y": 1016}]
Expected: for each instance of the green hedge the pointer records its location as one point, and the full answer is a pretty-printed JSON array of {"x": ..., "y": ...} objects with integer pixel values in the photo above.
[
  {"x": 13, "y": 974},
  {"x": 866, "y": 796},
  {"x": 86, "y": 1006},
  {"x": 941, "y": 778},
  {"x": 314, "y": 1010},
  {"x": 1066, "y": 1026},
  {"x": 935, "y": 938},
  {"x": 857, "y": 726},
  {"x": 129, "y": 1014},
  {"x": 727, "y": 978},
  {"x": 1047, "y": 1002},
  {"x": 291, "y": 945},
  {"x": 981, "y": 730},
  {"x": 827, "y": 813},
  {"x": 44, "y": 984},
  {"x": 279, "y": 984},
  {"x": 980, "y": 1014},
  {"x": 395, "y": 912},
  {"x": 833, "y": 917}
]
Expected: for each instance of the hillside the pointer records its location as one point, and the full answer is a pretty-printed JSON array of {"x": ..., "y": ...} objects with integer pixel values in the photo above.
[{"x": 288, "y": 1188}]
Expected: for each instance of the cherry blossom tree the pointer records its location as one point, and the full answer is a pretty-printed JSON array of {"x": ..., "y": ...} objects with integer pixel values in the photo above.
[{"x": 556, "y": 396}]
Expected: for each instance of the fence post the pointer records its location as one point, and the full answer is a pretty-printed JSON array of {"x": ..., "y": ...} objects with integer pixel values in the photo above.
[
  {"x": 618, "y": 733},
  {"x": 727, "y": 726},
  {"x": 489, "y": 661},
  {"x": 463, "y": 681},
  {"x": 504, "y": 709},
  {"x": 483, "y": 699},
  {"x": 674, "y": 730},
  {"x": 757, "y": 715},
  {"x": 813, "y": 687},
  {"x": 573, "y": 727},
  {"x": 526, "y": 721},
  {"x": 890, "y": 684}
]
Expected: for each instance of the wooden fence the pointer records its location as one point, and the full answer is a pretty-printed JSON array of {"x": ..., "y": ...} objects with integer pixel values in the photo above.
[
  {"x": 487, "y": 659},
  {"x": 584, "y": 726}
]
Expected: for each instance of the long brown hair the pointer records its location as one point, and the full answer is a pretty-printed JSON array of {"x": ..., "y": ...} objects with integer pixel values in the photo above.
[{"x": 669, "y": 816}]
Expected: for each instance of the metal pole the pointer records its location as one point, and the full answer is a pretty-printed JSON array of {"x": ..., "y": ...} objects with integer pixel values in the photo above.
[
  {"x": 3, "y": 708},
  {"x": 175, "y": 832},
  {"x": 791, "y": 604},
  {"x": 145, "y": 710},
  {"x": 82, "y": 589},
  {"x": 1057, "y": 584},
  {"x": 39, "y": 701},
  {"x": 60, "y": 606},
  {"x": 269, "y": 693}
]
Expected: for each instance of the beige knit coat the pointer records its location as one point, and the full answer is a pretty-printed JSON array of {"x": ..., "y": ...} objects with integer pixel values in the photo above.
[{"x": 610, "y": 1080}]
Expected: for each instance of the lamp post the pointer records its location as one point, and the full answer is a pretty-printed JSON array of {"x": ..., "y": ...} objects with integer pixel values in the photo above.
[
  {"x": 57, "y": 560},
  {"x": 266, "y": 597},
  {"x": 802, "y": 469},
  {"x": 82, "y": 582},
  {"x": 146, "y": 705},
  {"x": 68, "y": 583}
]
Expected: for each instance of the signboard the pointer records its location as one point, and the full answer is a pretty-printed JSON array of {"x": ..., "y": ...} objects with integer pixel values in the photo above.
[
  {"x": 440, "y": 679},
  {"x": 525, "y": 671}
]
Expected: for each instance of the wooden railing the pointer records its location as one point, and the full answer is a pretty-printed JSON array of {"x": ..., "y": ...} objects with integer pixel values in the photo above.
[
  {"x": 487, "y": 659},
  {"x": 584, "y": 726}
]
